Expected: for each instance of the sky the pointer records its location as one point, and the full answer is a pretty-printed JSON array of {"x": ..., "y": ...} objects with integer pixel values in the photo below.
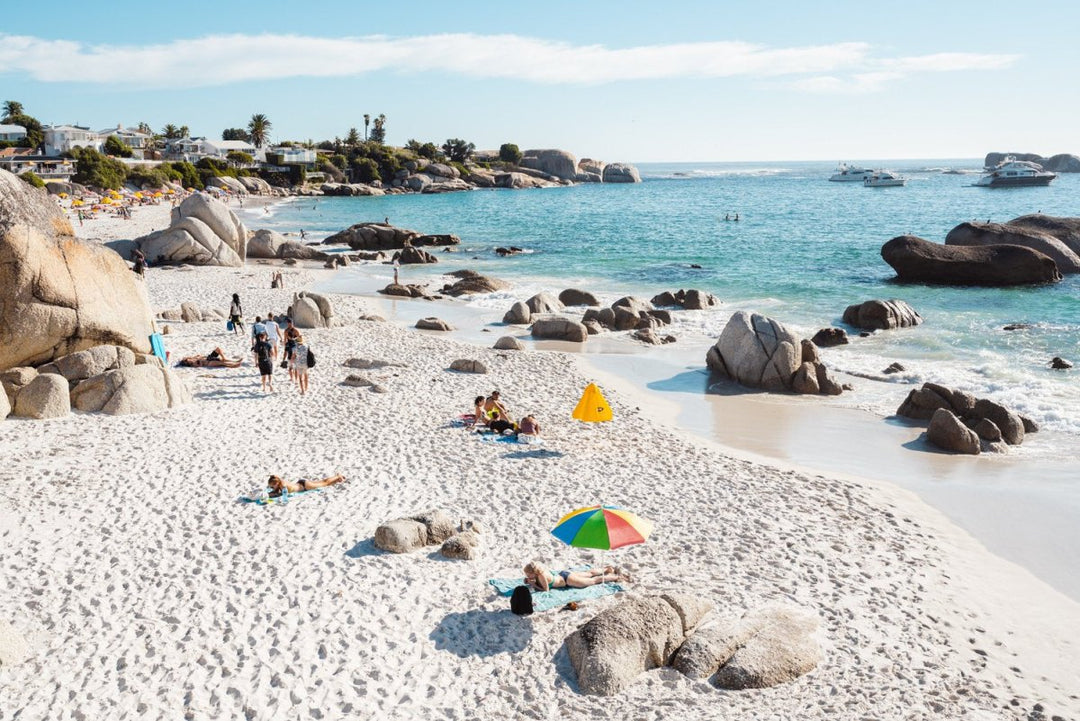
[{"x": 618, "y": 81}]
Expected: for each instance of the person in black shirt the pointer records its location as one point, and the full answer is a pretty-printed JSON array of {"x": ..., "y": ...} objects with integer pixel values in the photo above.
[{"x": 263, "y": 351}]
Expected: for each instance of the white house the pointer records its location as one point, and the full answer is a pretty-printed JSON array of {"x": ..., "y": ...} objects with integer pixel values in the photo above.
[
  {"x": 138, "y": 142},
  {"x": 12, "y": 132},
  {"x": 61, "y": 139},
  {"x": 289, "y": 155},
  {"x": 221, "y": 148}
]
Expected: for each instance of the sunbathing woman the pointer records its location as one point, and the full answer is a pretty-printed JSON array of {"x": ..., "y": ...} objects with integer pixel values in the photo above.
[
  {"x": 216, "y": 359},
  {"x": 542, "y": 579},
  {"x": 279, "y": 486}
]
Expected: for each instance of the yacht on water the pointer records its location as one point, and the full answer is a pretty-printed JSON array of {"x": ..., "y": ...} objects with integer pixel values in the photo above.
[
  {"x": 850, "y": 174},
  {"x": 884, "y": 179},
  {"x": 1013, "y": 173}
]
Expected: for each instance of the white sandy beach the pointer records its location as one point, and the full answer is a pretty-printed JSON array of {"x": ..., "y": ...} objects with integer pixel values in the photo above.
[{"x": 147, "y": 591}]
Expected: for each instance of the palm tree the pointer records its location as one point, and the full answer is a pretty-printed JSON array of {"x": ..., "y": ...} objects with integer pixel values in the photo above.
[
  {"x": 12, "y": 108},
  {"x": 367, "y": 122},
  {"x": 171, "y": 132},
  {"x": 259, "y": 129}
]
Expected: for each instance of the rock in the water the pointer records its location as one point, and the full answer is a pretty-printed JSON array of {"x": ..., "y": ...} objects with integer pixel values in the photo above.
[
  {"x": 621, "y": 173},
  {"x": 508, "y": 342},
  {"x": 636, "y": 635},
  {"x": 378, "y": 236},
  {"x": 1030, "y": 426},
  {"x": 414, "y": 256},
  {"x": 464, "y": 546},
  {"x": 949, "y": 433},
  {"x": 144, "y": 388},
  {"x": 881, "y": 315},
  {"x": 1012, "y": 427},
  {"x": 810, "y": 352},
  {"x": 405, "y": 291},
  {"x": 829, "y": 337},
  {"x": 920, "y": 261},
  {"x": 559, "y": 329},
  {"x": 1017, "y": 326},
  {"x": 648, "y": 335},
  {"x": 559, "y": 163},
  {"x": 987, "y": 430},
  {"x": 694, "y": 299},
  {"x": 1067, "y": 230},
  {"x": 1059, "y": 363},
  {"x": 894, "y": 367},
  {"x": 475, "y": 284},
  {"x": 433, "y": 324},
  {"x": 603, "y": 317},
  {"x": 757, "y": 352},
  {"x": 981, "y": 234},
  {"x": 466, "y": 365},
  {"x": 44, "y": 397},
  {"x": 519, "y": 314},
  {"x": 573, "y": 296},
  {"x": 544, "y": 303}
]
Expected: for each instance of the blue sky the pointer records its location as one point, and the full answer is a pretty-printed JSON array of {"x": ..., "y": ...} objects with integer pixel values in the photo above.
[{"x": 633, "y": 81}]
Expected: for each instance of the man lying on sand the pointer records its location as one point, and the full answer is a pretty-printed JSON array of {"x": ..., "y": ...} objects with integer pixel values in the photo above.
[
  {"x": 215, "y": 359},
  {"x": 279, "y": 486},
  {"x": 528, "y": 426},
  {"x": 542, "y": 579}
]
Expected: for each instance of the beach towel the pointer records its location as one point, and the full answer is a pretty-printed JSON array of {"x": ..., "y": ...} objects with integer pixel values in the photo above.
[
  {"x": 280, "y": 500},
  {"x": 556, "y": 597},
  {"x": 533, "y": 441}
]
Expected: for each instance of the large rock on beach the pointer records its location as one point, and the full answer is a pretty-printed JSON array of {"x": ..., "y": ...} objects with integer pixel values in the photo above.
[
  {"x": 203, "y": 231},
  {"x": 13, "y": 379},
  {"x": 44, "y": 397},
  {"x": 830, "y": 337},
  {"x": 433, "y": 324},
  {"x": 414, "y": 256},
  {"x": 920, "y": 261},
  {"x": 621, "y": 173},
  {"x": 519, "y": 314},
  {"x": 982, "y": 234},
  {"x": 475, "y": 284},
  {"x": 636, "y": 635},
  {"x": 559, "y": 329},
  {"x": 58, "y": 294},
  {"x": 881, "y": 315},
  {"x": 559, "y": 163},
  {"x": 756, "y": 351},
  {"x": 146, "y": 388},
  {"x": 924, "y": 403},
  {"x": 311, "y": 310},
  {"x": 949, "y": 433},
  {"x": 508, "y": 342},
  {"x": 266, "y": 243},
  {"x": 91, "y": 362},
  {"x": 403, "y": 535},
  {"x": 544, "y": 302},
  {"x": 573, "y": 296},
  {"x": 294, "y": 250}
]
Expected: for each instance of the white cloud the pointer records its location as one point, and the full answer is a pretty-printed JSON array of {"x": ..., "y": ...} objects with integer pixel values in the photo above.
[{"x": 224, "y": 59}]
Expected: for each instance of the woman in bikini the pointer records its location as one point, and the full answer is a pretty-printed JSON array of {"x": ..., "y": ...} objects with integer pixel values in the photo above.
[
  {"x": 215, "y": 359},
  {"x": 278, "y": 486},
  {"x": 542, "y": 579}
]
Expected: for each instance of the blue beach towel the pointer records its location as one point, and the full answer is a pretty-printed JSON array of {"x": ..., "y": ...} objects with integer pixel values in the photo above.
[
  {"x": 512, "y": 439},
  {"x": 556, "y": 597},
  {"x": 280, "y": 501}
]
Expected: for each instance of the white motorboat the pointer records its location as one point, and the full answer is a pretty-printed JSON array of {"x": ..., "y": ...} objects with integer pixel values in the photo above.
[
  {"x": 1013, "y": 173},
  {"x": 884, "y": 179},
  {"x": 850, "y": 174}
]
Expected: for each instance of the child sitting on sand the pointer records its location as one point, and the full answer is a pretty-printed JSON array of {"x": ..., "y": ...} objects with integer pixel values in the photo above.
[{"x": 542, "y": 579}]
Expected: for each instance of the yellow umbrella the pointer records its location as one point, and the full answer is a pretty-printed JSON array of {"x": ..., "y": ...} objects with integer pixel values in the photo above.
[
  {"x": 106, "y": 201},
  {"x": 138, "y": 195},
  {"x": 76, "y": 202},
  {"x": 63, "y": 195},
  {"x": 158, "y": 194},
  {"x": 593, "y": 407}
]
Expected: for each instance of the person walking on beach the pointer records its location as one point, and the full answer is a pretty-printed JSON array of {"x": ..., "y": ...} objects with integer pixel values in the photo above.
[
  {"x": 300, "y": 363},
  {"x": 291, "y": 334},
  {"x": 257, "y": 329},
  {"x": 273, "y": 334},
  {"x": 262, "y": 350},
  {"x": 236, "y": 314}
]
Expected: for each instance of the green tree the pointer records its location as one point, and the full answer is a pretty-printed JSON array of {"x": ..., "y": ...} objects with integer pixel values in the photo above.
[
  {"x": 185, "y": 131},
  {"x": 235, "y": 134},
  {"x": 31, "y": 177},
  {"x": 117, "y": 148},
  {"x": 339, "y": 161},
  {"x": 171, "y": 132},
  {"x": 97, "y": 170},
  {"x": 239, "y": 158},
  {"x": 367, "y": 122},
  {"x": 11, "y": 109},
  {"x": 145, "y": 128},
  {"x": 378, "y": 131},
  {"x": 353, "y": 138},
  {"x": 365, "y": 170},
  {"x": 188, "y": 174},
  {"x": 510, "y": 153},
  {"x": 259, "y": 129},
  {"x": 457, "y": 150},
  {"x": 35, "y": 135}
]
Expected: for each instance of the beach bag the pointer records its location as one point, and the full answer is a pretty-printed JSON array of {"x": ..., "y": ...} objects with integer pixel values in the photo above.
[
  {"x": 310, "y": 359},
  {"x": 230, "y": 325},
  {"x": 521, "y": 601}
]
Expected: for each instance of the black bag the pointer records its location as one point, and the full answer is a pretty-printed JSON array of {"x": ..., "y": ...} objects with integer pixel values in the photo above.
[
  {"x": 284, "y": 362},
  {"x": 521, "y": 601},
  {"x": 310, "y": 358}
]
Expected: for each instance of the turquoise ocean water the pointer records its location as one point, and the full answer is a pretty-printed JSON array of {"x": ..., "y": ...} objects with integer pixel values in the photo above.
[{"x": 803, "y": 250}]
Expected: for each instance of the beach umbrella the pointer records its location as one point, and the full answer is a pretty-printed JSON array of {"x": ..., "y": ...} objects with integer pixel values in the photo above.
[
  {"x": 593, "y": 407},
  {"x": 76, "y": 202},
  {"x": 602, "y": 527},
  {"x": 139, "y": 195},
  {"x": 63, "y": 195},
  {"x": 158, "y": 194},
  {"x": 106, "y": 201}
]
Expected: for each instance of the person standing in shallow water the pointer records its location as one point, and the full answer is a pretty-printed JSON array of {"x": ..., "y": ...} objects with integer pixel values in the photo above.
[{"x": 236, "y": 314}]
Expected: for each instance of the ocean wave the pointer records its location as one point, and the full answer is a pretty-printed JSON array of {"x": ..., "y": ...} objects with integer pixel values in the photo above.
[{"x": 713, "y": 173}]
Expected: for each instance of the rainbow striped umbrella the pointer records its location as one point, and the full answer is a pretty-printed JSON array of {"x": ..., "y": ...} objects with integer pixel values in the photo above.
[{"x": 603, "y": 527}]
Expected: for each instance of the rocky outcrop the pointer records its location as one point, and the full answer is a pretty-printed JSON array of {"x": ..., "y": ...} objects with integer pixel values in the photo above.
[
  {"x": 46, "y": 396},
  {"x": 508, "y": 342},
  {"x": 1067, "y": 230},
  {"x": 379, "y": 236},
  {"x": 651, "y": 337},
  {"x": 830, "y": 337},
  {"x": 558, "y": 163},
  {"x": 403, "y": 535},
  {"x": 621, "y": 173},
  {"x": 573, "y": 296},
  {"x": 233, "y": 185},
  {"x": 433, "y": 324},
  {"x": 311, "y": 310},
  {"x": 544, "y": 303},
  {"x": 146, "y": 388},
  {"x": 266, "y": 244},
  {"x": 948, "y": 432},
  {"x": 559, "y": 329},
  {"x": 638, "y": 634},
  {"x": 881, "y": 315},
  {"x": 58, "y": 294},
  {"x": 293, "y": 250},
  {"x": 766, "y": 647},
  {"x": 519, "y": 314},
  {"x": 692, "y": 299},
  {"x": 982, "y": 234},
  {"x": 1061, "y": 163},
  {"x": 920, "y": 261},
  {"x": 351, "y": 189},
  {"x": 414, "y": 256},
  {"x": 474, "y": 283},
  {"x": 91, "y": 362},
  {"x": 203, "y": 231},
  {"x": 255, "y": 185},
  {"x": 923, "y": 403},
  {"x": 405, "y": 291},
  {"x": 759, "y": 352}
]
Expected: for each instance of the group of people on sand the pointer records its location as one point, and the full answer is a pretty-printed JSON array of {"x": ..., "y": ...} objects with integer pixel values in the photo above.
[
  {"x": 271, "y": 338},
  {"x": 489, "y": 413}
]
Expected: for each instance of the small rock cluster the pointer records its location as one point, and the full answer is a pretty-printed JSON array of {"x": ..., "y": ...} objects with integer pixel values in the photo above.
[
  {"x": 962, "y": 423},
  {"x": 686, "y": 299},
  {"x": 431, "y": 528}
]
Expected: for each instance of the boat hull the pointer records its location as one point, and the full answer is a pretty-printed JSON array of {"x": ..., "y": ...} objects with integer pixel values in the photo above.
[{"x": 1029, "y": 182}]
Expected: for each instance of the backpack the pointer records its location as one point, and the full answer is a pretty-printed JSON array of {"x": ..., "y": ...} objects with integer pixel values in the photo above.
[
  {"x": 310, "y": 358},
  {"x": 521, "y": 601}
]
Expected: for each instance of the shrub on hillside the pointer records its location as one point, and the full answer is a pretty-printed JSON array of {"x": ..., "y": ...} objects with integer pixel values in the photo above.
[
  {"x": 510, "y": 153},
  {"x": 31, "y": 177},
  {"x": 117, "y": 148},
  {"x": 97, "y": 170}
]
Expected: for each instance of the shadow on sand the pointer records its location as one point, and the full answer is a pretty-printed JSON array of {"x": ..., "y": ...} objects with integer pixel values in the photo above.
[{"x": 482, "y": 633}]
